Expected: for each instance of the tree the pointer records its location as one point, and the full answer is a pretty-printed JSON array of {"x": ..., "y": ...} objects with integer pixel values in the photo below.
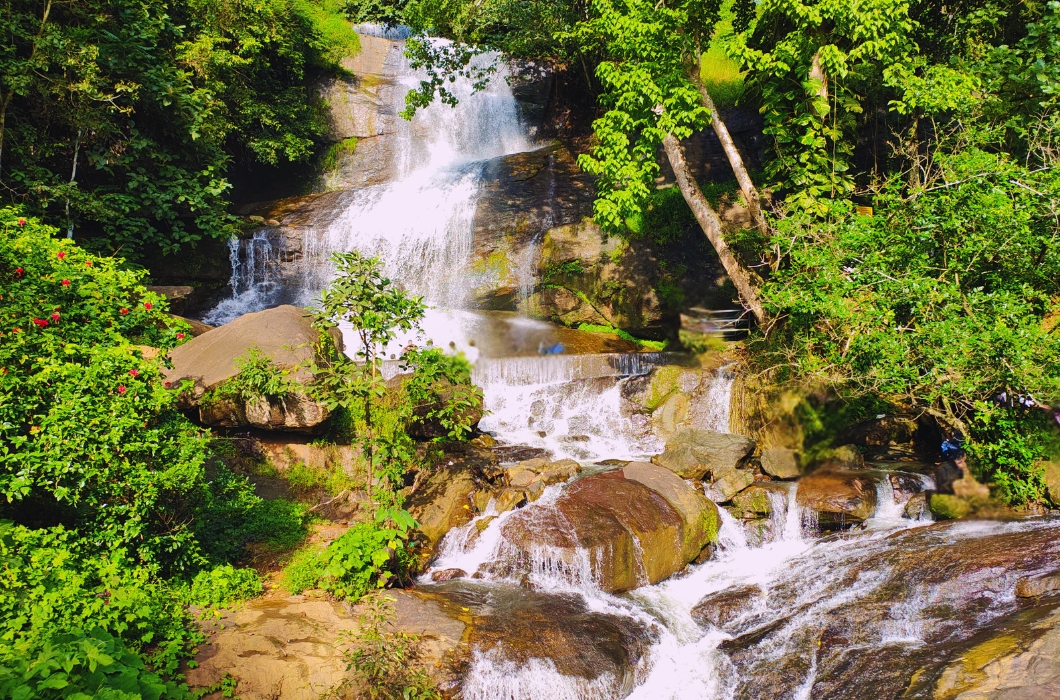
[
  {"x": 361, "y": 296},
  {"x": 119, "y": 119}
]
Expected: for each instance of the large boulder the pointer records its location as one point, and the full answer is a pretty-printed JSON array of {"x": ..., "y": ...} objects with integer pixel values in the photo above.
[
  {"x": 629, "y": 529},
  {"x": 286, "y": 336},
  {"x": 693, "y": 453},
  {"x": 700, "y": 516},
  {"x": 839, "y": 498}
]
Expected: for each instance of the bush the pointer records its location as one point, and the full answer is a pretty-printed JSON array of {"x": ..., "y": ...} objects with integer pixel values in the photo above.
[
  {"x": 224, "y": 585},
  {"x": 366, "y": 556},
  {"x": 54, "y": 584}
]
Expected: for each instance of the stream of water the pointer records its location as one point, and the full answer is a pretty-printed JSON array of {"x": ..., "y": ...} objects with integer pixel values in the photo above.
[{"x": 779, "y": 612}]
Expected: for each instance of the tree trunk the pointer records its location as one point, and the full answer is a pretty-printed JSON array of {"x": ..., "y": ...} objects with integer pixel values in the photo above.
[
  {"x": 750, "y": 192},
  {"x": 819, "y": 76},
  {"x": 745, "y": 280}
]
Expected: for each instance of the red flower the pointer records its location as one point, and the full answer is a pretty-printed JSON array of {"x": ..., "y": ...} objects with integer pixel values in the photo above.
[
  {"x": 121, "y": 388},
  {"x": 40, "y": 322},
  {"x": 147, "y": 305},
  {"x": 21, "y": 222},
  {"x": 16, "y": 330},
  {"x": 89, "y": 263},
  {"x": 124, "y": 311},
  {"x": 180, "y": 336},
  {"x": 134, "y": 373},
  {"x": 61, "y": 255},
  {"x": 166, "y": 384},
  {"x": 55, "y": 316},
  {"x": 18, "y": 272},
  {"x": 66, "y": 283}
]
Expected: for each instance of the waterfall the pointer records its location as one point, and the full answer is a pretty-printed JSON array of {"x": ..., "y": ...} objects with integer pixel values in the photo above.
[{"x": 254, "y": 282}]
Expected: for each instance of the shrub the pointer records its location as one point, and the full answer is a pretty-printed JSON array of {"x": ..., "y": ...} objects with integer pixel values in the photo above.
[{"x": 224, "y": 585}]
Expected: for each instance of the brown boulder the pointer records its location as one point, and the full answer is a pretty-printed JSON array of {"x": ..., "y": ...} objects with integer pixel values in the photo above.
[
  {"x": 630, "y": 532},
  {"x": 692, "y": 453},
  {"x": 283, "y": 334},
  {"x": 840, "y": 498},
  {"x": 444, "y": 502},
  {"x": 719, "y": 609},
  {"x": 701, "y": 519}
]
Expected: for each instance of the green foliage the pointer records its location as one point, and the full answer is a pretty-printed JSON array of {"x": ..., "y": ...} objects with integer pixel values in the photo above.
[
  {"x": 224, "y": 585},
  {"x": 77, "y": 665},
  {"x": 361, "y": 296},
  {"x": 649, "y": 92},
  {"x": 121, "y": 119},
  {"x": 811, "y": 114},
  {"x": 439, "y": 392},
  {"x": 336, "y": 151},
  {"x": 938, "y": 304},
  {"x": 366, "y": 556},
  {"x": 53, "y": 584},
  {"x": 112, "y": 499},
  {"x": 567, "y": 268},
  {"x": 258, "y": 378},
  {"x": 654, "y": 345},
  {"x": 384, "y": 662},
  {"x": 664, "y": 218}
]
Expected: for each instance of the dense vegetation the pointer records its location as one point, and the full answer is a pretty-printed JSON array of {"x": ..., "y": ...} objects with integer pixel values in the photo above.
[
  {"x": 118, "y": 512},
  {"x": 120, "y": 121},
  {"x": 943, "y": 119}
]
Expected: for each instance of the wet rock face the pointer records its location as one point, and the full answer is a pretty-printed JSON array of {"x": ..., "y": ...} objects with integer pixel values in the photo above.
[
  {"x": 693, "y": 453},
  {"x": 722, "y": 608},
  {"x": 512, "y": 627},
  {"x": 446, "y": 499},
  {"x": 839, "y": 498},
  {"x": 923, "y": 613},
  {"x": 628, "y": 528}
]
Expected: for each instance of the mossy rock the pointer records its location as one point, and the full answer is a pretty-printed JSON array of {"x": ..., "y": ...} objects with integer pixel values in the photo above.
[{"x": 947, "y": 507}]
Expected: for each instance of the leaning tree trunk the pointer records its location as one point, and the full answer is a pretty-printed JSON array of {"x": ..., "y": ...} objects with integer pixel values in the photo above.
[
  {"x": 711, "y": 224},
  {"x": 750, "y": 192}
]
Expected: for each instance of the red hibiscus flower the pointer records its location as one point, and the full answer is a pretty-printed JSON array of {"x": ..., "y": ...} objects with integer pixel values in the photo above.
[
  {"x": 134, "y": 373},
  {"x": 40, "y": 322},
  {"x": 18, "y": 272},
  {"x": 147, "y": 305},
  {"x": 123, "y": 311},
  {"x": 121, "y": 388},
  {"x": 180, "y": 336},
  {"x": 55, "y": 316},
  {"x": 88, "y": 262},
  {"x": 66, "y": 283},
  {"x": 62, "y": 255},
  {"x": 21, "y": 222}
]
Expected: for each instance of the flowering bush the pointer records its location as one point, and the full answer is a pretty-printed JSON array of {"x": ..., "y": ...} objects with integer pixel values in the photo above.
[{"x": 110, "y": 499}]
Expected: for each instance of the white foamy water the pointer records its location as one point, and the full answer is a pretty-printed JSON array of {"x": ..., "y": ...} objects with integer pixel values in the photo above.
[{"x": 795, "y": 584}]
